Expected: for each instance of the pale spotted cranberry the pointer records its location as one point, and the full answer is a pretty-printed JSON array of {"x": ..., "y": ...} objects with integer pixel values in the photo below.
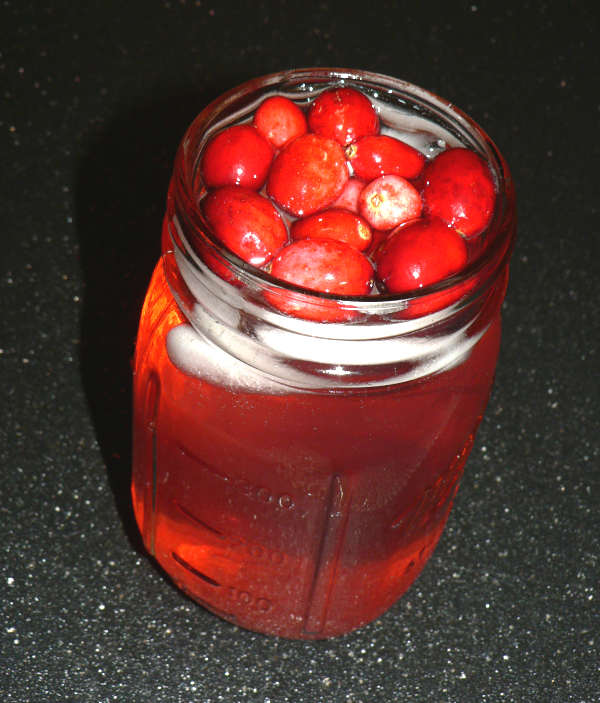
[
  {"x": 349, "y": 196},
  {"x": 279, "y": 120},
  {"x": 322, "y": 265},
  {"x": 389, "y": 201}
]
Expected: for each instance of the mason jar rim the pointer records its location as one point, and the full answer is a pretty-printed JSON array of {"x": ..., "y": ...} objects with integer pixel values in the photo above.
[{"x": 500, "y": 233}]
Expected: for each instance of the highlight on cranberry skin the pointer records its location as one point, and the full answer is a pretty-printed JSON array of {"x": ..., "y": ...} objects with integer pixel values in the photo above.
[
  {"x": 247, "y": 223},
  {"x": 237, "y": 156},
  {"x": 334, "y": 223},
  {"x": 419, "y": 254},
  {"x": 321, "y": 265},
  {"x": 381, "y": 155},
  {"x": 279, "y": 120},
  {"x": 308, "y": 174},
  {"x": 460, "y": 189},
  {"x": 388, "y": 201},
  {"x": 343, "y": 114}
]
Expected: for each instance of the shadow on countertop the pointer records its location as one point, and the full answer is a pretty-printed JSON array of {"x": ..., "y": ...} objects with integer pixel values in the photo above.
[{"x": 120, "y": 196}]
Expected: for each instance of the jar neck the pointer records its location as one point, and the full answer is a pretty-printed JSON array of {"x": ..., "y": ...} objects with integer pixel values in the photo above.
[{"x": 380, "y": 347}]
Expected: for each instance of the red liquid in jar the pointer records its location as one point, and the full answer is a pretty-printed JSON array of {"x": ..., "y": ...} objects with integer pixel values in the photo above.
[{"x": 298, "y": 514}]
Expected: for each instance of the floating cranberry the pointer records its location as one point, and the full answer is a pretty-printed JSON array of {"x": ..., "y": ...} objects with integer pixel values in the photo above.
[
  {"x": 380, "y": 155},
  {"x": 389, "y": 201},
  {"x": 321, "y": 265},
  {"x": 335, "y": 223},
  {"x": 279, "y": 120},
  {"x": 349, "y": 196},
  {"x": 459, "y": 188},
  {"x": 237, "y": 156},
  {"x": 343, "y": 114},
  {"x": 308, "y": 174},
  {"x": 418, "y": 254},
  {"x": 246, "y": 222}
]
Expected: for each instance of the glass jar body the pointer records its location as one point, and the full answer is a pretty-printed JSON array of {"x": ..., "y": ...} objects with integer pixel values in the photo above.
[{"x": 298, "y": 493}]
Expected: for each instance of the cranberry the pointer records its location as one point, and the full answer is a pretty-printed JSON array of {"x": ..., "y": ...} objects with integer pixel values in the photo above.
[
  {"x": 459, "y": 188},
  {"x": 238, "y": 155},
  {"x": 334, "y": 223},
  {"x": 343, "y": 114},
  {"x": 323, "y": 265},
  {"x": 349, "y": 196},
  {"x": 308, "y": 174},
  {"x": 246, "y": 222},
  {"x": 381, "y": 155},
  {"x": 279, "y": 120},
  {"x": 389, "y": 201},
  {"x": 419, "y": 254}
]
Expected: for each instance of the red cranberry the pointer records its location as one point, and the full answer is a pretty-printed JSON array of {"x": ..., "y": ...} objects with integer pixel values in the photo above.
[
  {"x": 321, "y": 265},
  {"x": 279, "y": 120},
  {"x": 389, "y": 201},
  {"x": 459, "y": 188},
  {"x": 334, "y": 223},
  {"x": 418, "y": 254},
  {"x": 349, "y": 196},
  {"x": 308, "y": 174},
  {"x": 381, "y": 155},
  {"x": 239, "y": 156},
  {"x": 247, "y": 223},
  {"x": 343, "y": 114}
]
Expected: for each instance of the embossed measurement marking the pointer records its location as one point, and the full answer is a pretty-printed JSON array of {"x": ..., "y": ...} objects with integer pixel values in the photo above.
[
  {"x": 193, "y": 570},
  {"x": 197, "y": 520},
  {"x": 260, "y": 494},
  {"x": 247, "y": 600},
  {"x": 258, "y": 552},
  {"x": 243, "y": 599}
]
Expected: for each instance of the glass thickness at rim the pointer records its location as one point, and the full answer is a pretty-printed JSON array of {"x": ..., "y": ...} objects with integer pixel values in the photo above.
[{"x": 240, "y": 102}]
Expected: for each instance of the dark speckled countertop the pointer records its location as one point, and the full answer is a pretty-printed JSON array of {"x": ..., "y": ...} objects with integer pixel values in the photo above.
[{"x": 94, "y": 99}]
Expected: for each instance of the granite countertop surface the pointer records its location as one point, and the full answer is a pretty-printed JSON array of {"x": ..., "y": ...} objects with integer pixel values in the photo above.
[{"x": 95, "y": 97}]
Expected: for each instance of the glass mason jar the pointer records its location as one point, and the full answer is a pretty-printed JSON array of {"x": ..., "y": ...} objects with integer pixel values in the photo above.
[{"x": 290, "y": 475}]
